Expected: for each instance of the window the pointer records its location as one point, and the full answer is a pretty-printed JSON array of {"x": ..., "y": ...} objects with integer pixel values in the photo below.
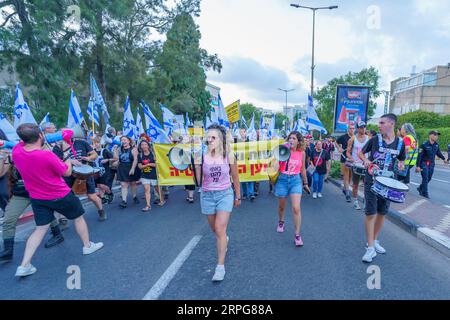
[{"x": 430, "y": 79}]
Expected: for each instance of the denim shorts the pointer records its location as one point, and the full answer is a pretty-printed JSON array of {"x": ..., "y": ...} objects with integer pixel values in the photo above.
[
  {"x": 287, "y": 185},
  {"x": 214, "y": 201}
]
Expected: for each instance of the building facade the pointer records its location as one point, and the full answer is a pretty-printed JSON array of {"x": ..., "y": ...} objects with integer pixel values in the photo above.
[{"x": 427, "y": 91}]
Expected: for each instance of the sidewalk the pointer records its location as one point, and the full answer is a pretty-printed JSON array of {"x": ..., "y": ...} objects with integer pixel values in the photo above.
[{"x": 427, "y": 221}]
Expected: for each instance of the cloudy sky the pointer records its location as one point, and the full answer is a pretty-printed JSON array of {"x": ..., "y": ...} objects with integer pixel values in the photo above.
[{"x": 266, "y": 44}]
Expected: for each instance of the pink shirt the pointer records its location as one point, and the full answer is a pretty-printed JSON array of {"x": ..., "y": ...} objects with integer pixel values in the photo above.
[
  {"x": 295, "y": 164},
  {"x": 216, "y": 174},
  {"x": 42, "y": 173}
]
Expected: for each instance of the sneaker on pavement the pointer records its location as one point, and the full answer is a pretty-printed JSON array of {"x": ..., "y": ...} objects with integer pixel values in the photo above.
[
  {"x": 348, "y": 198},
  {"x": 25, "y": 271},
  {"x": 314, "y": 195},
  {"x": 369, "y": 255},
  {"x": 92, "y": 248},
  {"x": 102, "y": 215},
  {"x": 280, "y": 227},
  {"x": 319, "y": 195},
  {"x": 136, "y": 200},
  {"x": 298, "y": 240},
  {"x": 123, "y": 204},
  {"x": 356, "y": 205},
  {"x": 378, "y": 247},
  {"x": 219, "y": 274}
]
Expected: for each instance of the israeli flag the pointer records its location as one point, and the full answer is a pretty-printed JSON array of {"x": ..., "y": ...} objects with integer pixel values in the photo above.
[
  {"x": 128, "y": 120},
  {"x": 22, "y": 113},
  {"x": 312, "y": 120},
  {"x": 45, "y": 120},
  {"x": 8, "y": 129},
  {"x": 261, "y": 122},
  {"x": 302, "y": 127},
  {"x": 208, "y": 122},
  {"x": 168, "y": 119},
  {"x": 251, "y": 132},
  {"x": 98, "y": 100},
  {"x": 139, "y": 125},
  {"x": 188, "y": 121},
  {"x": 271, "y": 132},
  {"x": 235, "y": 130},
  {"x": 214, "y": 115},
  {"x": 222, "y": 115},
  {"x": 75, "y": 116},
  {"x": 154, "y": 129},
  {"x": 244, "y": 122},
  {"x": 93, "y": 112}
]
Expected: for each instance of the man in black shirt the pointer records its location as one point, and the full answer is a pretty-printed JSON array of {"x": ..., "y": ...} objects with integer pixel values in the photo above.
[
  {"x": 426, "y": 161},
  {"x": 342, "y": 143},
  {"x": 383, "y": 149}
]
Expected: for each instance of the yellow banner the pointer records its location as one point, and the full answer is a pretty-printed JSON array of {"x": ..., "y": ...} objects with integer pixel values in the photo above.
[
  {"x": 233, "y": 112},
  {"x": 252, "y": 160}
]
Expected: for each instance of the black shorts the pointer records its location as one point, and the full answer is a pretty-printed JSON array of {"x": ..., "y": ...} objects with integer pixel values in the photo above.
[
  {"x": 374, "y": 203},
  {"x": 69, "y": 206},
  {"x": 90, "y": 184}
]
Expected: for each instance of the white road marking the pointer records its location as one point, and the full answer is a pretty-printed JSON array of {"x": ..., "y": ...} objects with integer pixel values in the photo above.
[
  {"x": 440, "y": 180},
  {"x": 159, "y": 287},
  {"x": 413, "y": 206},
  {"x": 444, "y": 224},
  {"x": 416, "y": 184}
]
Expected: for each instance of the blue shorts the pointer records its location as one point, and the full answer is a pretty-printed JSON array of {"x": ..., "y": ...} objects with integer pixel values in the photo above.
[
  {"x": 287, "y": 185},
  {"x": 214, "y": 201}
]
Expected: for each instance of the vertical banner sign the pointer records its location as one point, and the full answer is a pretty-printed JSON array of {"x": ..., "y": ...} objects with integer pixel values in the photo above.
[{"x": 351, "y": 106}]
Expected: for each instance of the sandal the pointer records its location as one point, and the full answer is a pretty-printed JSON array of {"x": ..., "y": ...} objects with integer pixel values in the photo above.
[
  {"x": 161, "y": 203},
  {"x": 146, "y": 209}
]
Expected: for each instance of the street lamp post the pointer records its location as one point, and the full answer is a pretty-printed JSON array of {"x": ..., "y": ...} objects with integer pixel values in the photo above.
[
  {"x": 286, "y": 92},
  {"x": 386, "y": 99},
  {"x": 314, "y": 9}
]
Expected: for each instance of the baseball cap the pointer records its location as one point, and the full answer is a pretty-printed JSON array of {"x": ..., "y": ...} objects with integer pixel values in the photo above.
[
  {"x": 360, "y": 124},
  {"x": 434, "y": 132}
]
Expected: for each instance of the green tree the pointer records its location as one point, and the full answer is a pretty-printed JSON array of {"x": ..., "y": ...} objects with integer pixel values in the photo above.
[
  {"x": 326, "y": 96},
  {"x": 182, "y": 65},
  {"x": 423, "y": 119}
]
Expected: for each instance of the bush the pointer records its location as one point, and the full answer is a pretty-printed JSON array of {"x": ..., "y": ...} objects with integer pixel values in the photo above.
[
  {"x": 424, "y": 119},
  {"x": 335, "y": 171},
  {"x": 444, "y": 138}
]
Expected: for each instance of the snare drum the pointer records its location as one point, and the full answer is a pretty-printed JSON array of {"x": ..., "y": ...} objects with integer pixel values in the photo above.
[
  {"x": 84, "y": 171},
  {"x": 359, "y": 169},
  {"x": 390, "y": 189}
]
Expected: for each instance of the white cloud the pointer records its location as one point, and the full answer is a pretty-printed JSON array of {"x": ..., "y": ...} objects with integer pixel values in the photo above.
[{"x": 271, "y": 42}]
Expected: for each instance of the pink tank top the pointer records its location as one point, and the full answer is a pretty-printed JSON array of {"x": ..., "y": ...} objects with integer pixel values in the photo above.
[
  {"x": 295, "y": 164},
  {"x": 216, "y": 174}
]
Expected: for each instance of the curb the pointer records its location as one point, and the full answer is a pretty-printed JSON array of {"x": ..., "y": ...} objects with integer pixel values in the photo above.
[{"x": 431, "y": 237}]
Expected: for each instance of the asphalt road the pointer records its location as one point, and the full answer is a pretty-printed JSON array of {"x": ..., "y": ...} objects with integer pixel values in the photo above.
[
  {"x": 439, "y": 187},
  {"x": 261, "y": 264}
]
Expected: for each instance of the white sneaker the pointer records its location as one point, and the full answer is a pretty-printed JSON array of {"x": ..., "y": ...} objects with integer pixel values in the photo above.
[
  {"x": 378, "y": 247},
  {"x": 369, "y": 255},
  {"x": 25, "y": 271},
  {"x": 319, "y": 195},
  {"x": 219, "y": 274},
  {"x": 92, "y": 248},
  {"x": 315, "y": 195},
  {"x": 356, "y": 205}
]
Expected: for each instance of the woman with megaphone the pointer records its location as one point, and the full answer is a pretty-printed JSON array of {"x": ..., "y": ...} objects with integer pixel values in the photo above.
[
  {"x": 215, "y": 174},
  {"x": 289, "y": 183}
]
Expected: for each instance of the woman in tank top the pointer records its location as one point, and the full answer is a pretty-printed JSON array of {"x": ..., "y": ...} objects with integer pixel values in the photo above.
[
  {"x": 290, "y": 183},
  {"x": 217, "y": 197}
]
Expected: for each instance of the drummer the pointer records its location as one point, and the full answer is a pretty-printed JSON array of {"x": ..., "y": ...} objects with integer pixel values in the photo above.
[
  {"x": 354, "y": 146},
  {"x": 383, "y": 150},
  {"x": 84, "y": 154}
]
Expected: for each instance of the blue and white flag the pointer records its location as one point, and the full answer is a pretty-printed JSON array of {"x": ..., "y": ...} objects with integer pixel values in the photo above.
[
  {"x": 235, "y": 130},
  {"x": 251, "y": 132},
  {"x": 139, "y": 125},
  {"x": 98, "y": 100},
  {"x": 8, "y": 129},
  {"x": 154, "y": 129},
  {"x": 214, "y": 115},
  {"x": 168, "y": 119},
  {"x": 128, "y": 120},
  {"x": 312, "y": 120},
  {"x": 261, "y": 122},
  {"x": 22, "y": 113},
  {"x": 244, "y": 122},
  {"x": 188, "y": 121},
  {"x": 92, "y": 111},
  {"x": 46, "y": 119},
  {"x": 208, "y": 122},
  {"x": 75, "y": 116},
  {"x": 222, "y": 115},
  {"x": 271, "y": 131},
  {"x": 302, "y": 127}
]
